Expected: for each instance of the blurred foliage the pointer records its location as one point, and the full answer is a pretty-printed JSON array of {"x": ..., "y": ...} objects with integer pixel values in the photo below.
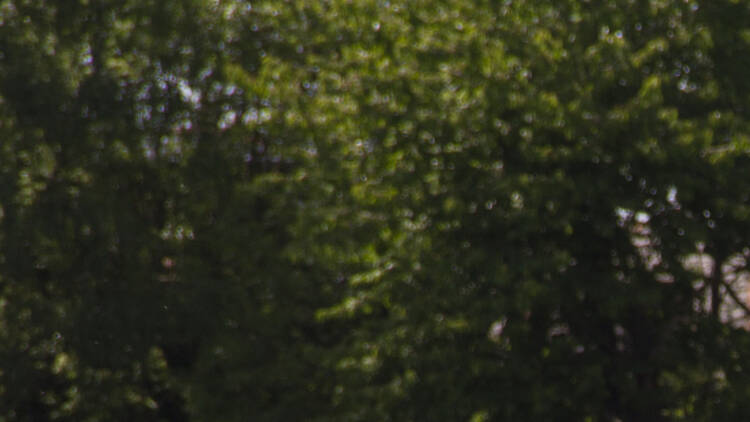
[{"x": 374, "y": 210}]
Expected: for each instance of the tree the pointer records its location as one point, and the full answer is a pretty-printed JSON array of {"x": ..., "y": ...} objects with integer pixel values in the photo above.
[
  {"x": 539, "y": 173},
  {"x": 143, "y": 236},
  {"x": 432, "y": 210}
]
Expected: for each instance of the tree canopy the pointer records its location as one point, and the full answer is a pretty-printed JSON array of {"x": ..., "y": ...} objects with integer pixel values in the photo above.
[{"x": 374, "y": 210}]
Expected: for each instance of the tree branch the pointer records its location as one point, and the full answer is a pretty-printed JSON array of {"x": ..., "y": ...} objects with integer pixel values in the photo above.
[{"x": 736, "y": 298}]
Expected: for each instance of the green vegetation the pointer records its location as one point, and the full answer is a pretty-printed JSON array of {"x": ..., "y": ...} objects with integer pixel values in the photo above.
[{"x": 374, "y": 210}]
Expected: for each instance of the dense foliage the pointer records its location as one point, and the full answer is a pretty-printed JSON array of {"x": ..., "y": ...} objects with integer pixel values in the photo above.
[{"x": 378, "y": 210}]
